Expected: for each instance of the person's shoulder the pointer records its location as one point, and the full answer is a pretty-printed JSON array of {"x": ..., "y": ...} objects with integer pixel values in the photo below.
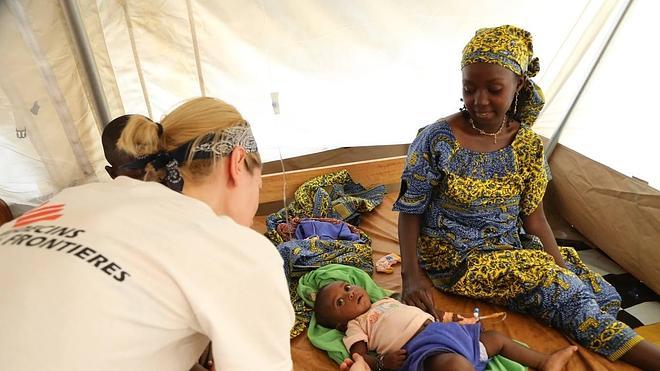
[
  {"x": 220, "y": 240},
  {"x": 438, "y": 131},
  {"x": 440, "y": 125},
  {"x": 527, "y": 139},
  {"x": 114, "y": 196},
  {"x": 528, "y": 146},
  {"x": 528, "y": 134},
  {"x": 235, "y": 233},
  {"x": 243, "y": 238},
  {"x": 121, "y": 185}
]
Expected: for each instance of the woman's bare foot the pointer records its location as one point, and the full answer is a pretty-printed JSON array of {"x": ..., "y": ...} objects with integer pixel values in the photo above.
[{"x": 557, "y": 360}]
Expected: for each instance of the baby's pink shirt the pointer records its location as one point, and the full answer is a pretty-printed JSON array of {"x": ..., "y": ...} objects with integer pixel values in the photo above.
[{"x": 386, "y": 326}]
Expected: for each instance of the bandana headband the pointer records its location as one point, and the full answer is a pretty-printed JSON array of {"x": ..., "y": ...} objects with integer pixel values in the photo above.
[
  {"x": 230, "y": 138},
  {"x": 210, "y": 145}
]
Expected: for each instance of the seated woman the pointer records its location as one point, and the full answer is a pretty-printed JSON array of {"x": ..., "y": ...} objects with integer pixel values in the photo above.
[
  {"x": 140, "y": 275},
  {"x": 472, "y": 180}
]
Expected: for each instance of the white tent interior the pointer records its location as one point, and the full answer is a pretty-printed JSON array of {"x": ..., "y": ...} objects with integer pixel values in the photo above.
[
  {"x": 344, "y": 73},
  {"x": 316, "y": 75}
]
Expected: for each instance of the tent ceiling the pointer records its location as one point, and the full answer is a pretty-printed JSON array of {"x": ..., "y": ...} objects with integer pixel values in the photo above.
[{"x": 346, "y": 73}]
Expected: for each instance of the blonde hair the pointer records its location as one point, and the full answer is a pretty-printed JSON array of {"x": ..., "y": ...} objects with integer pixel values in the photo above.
[{"x": 190, "y": 121}]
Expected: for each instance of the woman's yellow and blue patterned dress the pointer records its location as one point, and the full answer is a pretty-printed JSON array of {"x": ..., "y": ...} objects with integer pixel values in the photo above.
[{"x": 470, "y": 242}]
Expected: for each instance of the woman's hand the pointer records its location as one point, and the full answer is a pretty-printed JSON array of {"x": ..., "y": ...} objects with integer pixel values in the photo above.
[
  {"x": 394, "y": 360},
  {"x": 418, "y": 291},
  {"x": 356, "y": 364}
]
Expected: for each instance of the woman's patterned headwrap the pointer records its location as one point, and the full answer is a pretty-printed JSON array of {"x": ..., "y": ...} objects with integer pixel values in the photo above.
[{"x": 511, "y": 48}]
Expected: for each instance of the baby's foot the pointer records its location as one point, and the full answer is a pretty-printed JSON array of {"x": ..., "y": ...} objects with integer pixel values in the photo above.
[{"x": 557, "y": 360}]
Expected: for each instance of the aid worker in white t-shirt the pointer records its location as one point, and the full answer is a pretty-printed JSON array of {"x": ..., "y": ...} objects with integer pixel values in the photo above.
[{"x": 131, "y": 275}]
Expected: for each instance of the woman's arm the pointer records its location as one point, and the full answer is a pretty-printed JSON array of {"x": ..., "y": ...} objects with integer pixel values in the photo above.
[
  {"x": 536, "y": 224},
  {"x": 416, "y": 289}
]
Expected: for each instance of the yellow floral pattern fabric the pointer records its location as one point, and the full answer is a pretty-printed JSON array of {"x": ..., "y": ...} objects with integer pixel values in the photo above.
[
  {"x": 470, "y": 242},
  {"x": 472, "y": 199},
  {"x": 575, "y": 300}
]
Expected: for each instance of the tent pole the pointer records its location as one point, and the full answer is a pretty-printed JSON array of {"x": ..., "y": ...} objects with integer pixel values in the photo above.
[
  {"x": 554, "y": 140},
  {"x": 77, "y": 28}
]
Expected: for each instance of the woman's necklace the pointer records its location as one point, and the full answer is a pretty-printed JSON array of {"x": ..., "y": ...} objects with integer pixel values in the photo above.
[{"x": 495, "y": 134}]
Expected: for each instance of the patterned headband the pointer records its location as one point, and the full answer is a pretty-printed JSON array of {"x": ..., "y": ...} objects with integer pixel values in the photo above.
[
  {"x": 230, "y": 138},
  {"x": 210, "y": 145}
]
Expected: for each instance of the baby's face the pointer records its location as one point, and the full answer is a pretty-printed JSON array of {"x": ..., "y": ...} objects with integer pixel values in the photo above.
[{"x": 343, "y": 302}]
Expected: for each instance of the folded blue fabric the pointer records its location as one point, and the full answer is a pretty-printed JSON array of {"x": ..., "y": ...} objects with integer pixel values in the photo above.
[{"x": 324, "y": 230}]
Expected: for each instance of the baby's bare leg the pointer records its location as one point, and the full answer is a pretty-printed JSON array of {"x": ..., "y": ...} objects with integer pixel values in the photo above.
[
  {"x": 498, "y": 343},
  {"x": 447, "y": 361}
]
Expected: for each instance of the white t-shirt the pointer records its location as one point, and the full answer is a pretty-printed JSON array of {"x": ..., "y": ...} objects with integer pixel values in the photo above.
[{"x": 129, "y": 275}]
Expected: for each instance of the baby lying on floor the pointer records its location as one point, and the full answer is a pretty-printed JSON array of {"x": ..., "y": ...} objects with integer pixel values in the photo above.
[{"x": 407, "y": 338}]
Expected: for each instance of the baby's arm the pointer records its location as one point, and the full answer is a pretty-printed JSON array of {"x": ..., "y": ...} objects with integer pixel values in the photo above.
[
  {"x": 361, "y": 348},
  {"x": 388, "y": 361}
]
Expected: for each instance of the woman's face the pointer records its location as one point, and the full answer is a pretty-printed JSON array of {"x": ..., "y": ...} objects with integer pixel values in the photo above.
[{"x": 488, "y": 91}]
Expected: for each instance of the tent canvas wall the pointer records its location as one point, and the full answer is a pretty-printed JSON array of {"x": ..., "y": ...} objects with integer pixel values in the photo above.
[{"x": 343, "y": 73}]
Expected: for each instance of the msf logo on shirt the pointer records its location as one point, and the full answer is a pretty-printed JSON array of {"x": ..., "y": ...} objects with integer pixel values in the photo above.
[
  {"x": 41, "y": 213},
  {"x": 29, "y": 231}
]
